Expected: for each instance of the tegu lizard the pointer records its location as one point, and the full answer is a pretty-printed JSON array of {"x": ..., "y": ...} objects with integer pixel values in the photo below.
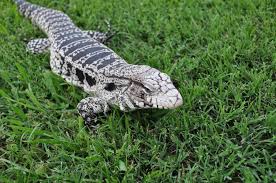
[{"x": 82, "y": 59}]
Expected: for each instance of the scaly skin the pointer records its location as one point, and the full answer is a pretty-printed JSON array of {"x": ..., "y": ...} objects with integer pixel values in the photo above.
[{"x": 81, "y": 58}]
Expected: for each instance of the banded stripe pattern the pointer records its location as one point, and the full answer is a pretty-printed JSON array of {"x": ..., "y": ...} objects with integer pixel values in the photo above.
[{"x": 71, "y": 42}]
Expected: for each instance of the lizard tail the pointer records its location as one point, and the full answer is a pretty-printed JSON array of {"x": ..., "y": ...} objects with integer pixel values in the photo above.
[
  {"x": 18, "y": 2},
  {"x": 26, "y": 8},
  {"x": 40, "y": 16}
]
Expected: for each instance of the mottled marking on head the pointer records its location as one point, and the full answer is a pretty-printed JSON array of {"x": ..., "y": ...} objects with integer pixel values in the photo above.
[
  {"x": 147, "y": 88},
  {"x": 155, "y": 89}
]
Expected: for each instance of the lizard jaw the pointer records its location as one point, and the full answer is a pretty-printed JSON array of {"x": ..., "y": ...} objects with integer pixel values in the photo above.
[{"x": 169, "y": 100}]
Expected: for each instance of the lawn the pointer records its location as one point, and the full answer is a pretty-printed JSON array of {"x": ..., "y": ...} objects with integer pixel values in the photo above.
[{"x": 222, "y": 55}]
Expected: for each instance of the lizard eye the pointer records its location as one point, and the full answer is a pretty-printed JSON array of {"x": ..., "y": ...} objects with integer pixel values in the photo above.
[
  {"x": 110, "y": 87},
  {"x": 147, "y": 90}
]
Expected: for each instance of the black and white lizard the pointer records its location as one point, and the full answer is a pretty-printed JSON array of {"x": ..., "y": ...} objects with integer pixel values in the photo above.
[{"x": 81, "y": 58}]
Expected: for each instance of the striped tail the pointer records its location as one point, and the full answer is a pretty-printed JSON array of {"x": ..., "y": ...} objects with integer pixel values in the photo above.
[
  {"x": 26, "y": 8},
  {"x": 43, "y": 17}
]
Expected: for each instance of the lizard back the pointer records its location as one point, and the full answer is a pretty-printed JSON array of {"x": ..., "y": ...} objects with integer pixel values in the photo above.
[{"x": 74, "y": 54}]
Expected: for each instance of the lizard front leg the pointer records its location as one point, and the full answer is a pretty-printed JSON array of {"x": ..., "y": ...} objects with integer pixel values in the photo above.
[{"x": 89, "y": 108}]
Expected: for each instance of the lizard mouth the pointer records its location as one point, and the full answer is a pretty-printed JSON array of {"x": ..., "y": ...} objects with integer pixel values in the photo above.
[
  {"x": 139, "y": 102},
  {"x": 169, "y": 100}
]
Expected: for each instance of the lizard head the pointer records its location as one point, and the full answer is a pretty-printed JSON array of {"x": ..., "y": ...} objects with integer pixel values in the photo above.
[{"x": 150, "y": 88}]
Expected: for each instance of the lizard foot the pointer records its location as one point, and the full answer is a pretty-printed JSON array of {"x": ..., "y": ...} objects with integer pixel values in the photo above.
[
  {"x": 89, "y": 108},
  {"x": 38, "y": 45},
  {"x": 102, "y": 37}
]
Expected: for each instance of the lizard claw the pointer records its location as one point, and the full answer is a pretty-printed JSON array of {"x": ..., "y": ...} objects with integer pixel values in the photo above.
[
  {"x": 91, "y": 123},
  {"x": 110, "y": 32}
]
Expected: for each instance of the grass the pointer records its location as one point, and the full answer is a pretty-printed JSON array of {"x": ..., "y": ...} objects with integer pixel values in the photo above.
[{"x": 222, "y": 53}]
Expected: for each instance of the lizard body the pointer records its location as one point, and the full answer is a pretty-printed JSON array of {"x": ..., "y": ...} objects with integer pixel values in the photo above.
[{"x": 81, "y": 58}]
